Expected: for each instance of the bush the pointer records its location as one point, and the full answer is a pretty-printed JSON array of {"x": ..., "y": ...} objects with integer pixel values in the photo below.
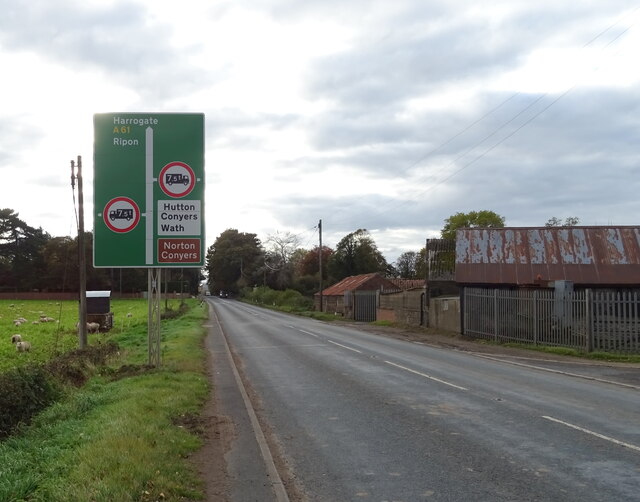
[
  {"x": 288, "y": 299},
  {"x": 77, "y": 366},
  {"x": 25, "y": 391},
  {"x": 170, "y": 313}
]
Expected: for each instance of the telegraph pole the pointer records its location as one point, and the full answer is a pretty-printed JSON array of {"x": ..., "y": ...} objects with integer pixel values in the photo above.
[
  {"x": 320, "y": 260},
  {"x": 427, "y": 299},
  {"x": 82, "y": 265}
]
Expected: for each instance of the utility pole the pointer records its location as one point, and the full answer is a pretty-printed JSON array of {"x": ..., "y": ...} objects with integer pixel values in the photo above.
[
  {"x": 427, "y": 299},
  {"x": 82, "y": 265},
  {"x": 320, "y": 260}
]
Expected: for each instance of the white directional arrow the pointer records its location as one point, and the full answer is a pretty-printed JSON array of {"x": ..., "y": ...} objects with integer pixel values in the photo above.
[{"x": 149, "y": 194}]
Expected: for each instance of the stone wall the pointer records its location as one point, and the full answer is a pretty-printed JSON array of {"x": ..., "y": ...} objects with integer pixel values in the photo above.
[{"x": 405, "y": 307}]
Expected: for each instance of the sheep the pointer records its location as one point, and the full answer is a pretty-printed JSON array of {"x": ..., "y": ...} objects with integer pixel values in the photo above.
[
  {"x": 16, "y": 338},
  {"x": 46, "y": 319},
  {"x": 129, "y": 314},
  {"x": 23, "y": 346},
  {"x": 92, "y": 327}
]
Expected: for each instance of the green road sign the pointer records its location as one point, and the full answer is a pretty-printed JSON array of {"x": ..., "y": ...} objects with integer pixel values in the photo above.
[{"x": 148, "y": 190}]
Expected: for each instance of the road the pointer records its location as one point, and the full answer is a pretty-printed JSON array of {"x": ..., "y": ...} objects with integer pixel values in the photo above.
[{"x": 356, "y": 417}]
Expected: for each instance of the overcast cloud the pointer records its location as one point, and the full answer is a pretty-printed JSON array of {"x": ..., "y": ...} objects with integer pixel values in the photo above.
[{"x": 389, "y": 116}]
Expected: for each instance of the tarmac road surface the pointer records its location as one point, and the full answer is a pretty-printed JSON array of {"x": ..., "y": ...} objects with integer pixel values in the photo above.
[{"x": 348, "y": 415}]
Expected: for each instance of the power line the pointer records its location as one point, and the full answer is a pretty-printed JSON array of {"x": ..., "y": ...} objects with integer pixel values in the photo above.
[
  {"x": 528, "y": 107},
  {"x": 521, "y": 126}
]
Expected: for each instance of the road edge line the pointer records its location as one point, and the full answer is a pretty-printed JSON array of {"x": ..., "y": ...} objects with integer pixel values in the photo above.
[
  {"x": 551, "y": 370},
  {"x": 592, "y": 433},
  {"x": 276, "y": 481}
]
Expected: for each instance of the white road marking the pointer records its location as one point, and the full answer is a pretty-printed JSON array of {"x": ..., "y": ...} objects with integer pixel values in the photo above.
[
  {"x": 551, "y": 370},
  {"x": 305, "y": 332},
  {"x": 268, "y": 347},
  {"x": 344, "y": 346},
  {"x": 587, "y": 431},
  {"x": 426, "y": 376},
  {"x": 272, "y": 472}
]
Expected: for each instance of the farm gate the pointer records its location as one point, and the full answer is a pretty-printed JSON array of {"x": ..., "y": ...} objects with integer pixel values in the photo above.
[{"x": 361, "y": 305}]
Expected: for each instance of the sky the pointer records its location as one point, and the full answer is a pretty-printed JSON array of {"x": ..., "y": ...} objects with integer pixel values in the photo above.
[{"x": 388, "y": 116}]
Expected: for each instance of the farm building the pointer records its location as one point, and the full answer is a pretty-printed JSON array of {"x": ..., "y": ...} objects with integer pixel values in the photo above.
[
  {"x": 405, "y": 305},
  {"x": 586, "y": 256},
  {"x": 354, "y": 297},
  {"x": 569, "y": 286}
]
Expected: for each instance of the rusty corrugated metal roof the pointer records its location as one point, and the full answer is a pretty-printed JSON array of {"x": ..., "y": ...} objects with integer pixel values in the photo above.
[
  {"x": 359, "y": 282},
  {"x": 584, "y": 255}
]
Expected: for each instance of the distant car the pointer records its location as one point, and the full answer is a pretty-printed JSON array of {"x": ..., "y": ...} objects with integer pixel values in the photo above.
[{"x": 224, "y": 294}]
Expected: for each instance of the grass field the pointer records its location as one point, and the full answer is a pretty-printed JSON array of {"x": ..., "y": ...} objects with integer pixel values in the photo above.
[
  {"x": 60, "y": 335},
  {"x": 120, "y": 437}
]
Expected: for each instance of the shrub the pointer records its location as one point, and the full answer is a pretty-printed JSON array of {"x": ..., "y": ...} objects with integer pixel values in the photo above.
[
  {"x": 288, "y": 299},
  {"x": 77, "y": 366},
  {"x": 26, "y": 391},
  {"x": 295, "y": 300}
]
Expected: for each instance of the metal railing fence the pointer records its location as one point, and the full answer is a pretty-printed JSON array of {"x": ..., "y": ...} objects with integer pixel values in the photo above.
[{"x": 585, "y": 320}]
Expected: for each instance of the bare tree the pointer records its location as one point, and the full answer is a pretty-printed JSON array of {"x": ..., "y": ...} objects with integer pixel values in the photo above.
[
  {"x": 570, "y": 221},
  {"x": 280, "y": 249}
]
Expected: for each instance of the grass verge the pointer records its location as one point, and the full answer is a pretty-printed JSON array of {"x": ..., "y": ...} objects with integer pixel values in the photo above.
[
  {"x": 121, "y": 436},
  {"x": 565, "y": 351}
]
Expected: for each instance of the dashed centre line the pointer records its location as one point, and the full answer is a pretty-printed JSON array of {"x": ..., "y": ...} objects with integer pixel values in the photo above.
[
  {"x": 427, "y": 376},
  {"x": 344, "y": 346},
  {"x": 389, "y": 362},
  {"x": 305, "y": 332}
]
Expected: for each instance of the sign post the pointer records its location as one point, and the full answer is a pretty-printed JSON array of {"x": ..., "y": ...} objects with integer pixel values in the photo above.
[{"x": 149, "y": 195}]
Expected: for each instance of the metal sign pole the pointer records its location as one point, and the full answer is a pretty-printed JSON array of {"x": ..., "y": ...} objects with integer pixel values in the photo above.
[{"x": 153, "y": 325}]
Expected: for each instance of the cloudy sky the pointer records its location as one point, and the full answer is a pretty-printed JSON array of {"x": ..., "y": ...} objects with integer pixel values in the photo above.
[{"x": 384, "y": 115}]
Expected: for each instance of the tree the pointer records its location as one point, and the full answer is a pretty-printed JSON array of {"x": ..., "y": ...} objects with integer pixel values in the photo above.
[
  {"x": 356, "y": 254},
  {"x": 473, "y": 219},
  {"x": 233, "y": 260},
  {"x": 60, "y": 255},
  {"x": 407, "y": 265},
  {"x": 421, "y": 264},
  {"x": 31, "y": 259},
  {"x": 570, "y": 221},
  {"x": 307, "y": 270},
  {"x": 310, "y": 262},
  {"x": 281, "y": 249},
  {"x": 21, "y": 263}
]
